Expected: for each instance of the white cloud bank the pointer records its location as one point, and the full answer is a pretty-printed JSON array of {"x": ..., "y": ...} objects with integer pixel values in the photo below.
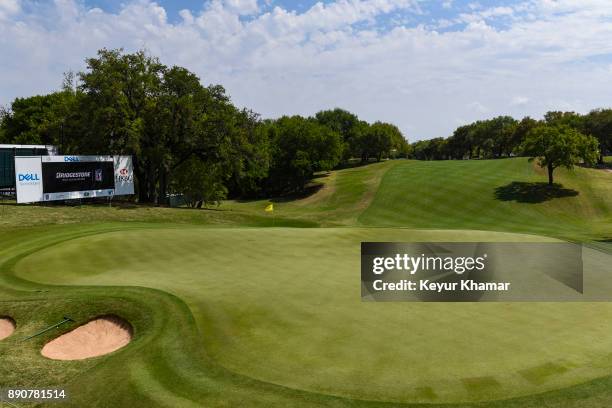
[{"x": 547, "y": 55}]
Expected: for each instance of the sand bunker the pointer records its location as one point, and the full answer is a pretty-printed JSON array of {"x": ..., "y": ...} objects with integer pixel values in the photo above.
[
  {"x": 100, "y": 336},
  {"x": 7, "y": 327}
]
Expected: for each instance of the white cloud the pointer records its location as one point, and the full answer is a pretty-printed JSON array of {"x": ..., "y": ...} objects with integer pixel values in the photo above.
[
  {"x": 519, "y": 101},
  {"x": 478, "y": 107},
  {"x": 9, "y": 8},
  {"x": 279, "y": 62},
  {"x": 242, "y": 7}
]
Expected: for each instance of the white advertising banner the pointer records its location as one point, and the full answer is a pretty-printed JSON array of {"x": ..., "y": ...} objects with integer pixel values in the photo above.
[
  {"x": 75, "y": 159},
  {"x": 124, "y": 175},
  {"x": 50, "y": 178},
  {"x": 28, "y": 179}
]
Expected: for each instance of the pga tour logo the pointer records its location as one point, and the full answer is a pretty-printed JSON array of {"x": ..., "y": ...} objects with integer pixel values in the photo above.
[{"x": 28, "y": 178}]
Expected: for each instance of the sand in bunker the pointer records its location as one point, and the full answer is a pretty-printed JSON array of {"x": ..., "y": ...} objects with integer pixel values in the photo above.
[
  {"x": 100, "y": 336},
  {"x": 7, "y": 327}
]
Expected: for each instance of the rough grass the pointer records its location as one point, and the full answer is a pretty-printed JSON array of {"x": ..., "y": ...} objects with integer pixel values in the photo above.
[{"x": 228, "y": 313}]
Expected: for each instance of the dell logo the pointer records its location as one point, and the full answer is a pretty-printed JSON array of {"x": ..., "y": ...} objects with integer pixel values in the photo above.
[
  {"x": 71, "y": 159},
  {"x": 28, "y": 177}
]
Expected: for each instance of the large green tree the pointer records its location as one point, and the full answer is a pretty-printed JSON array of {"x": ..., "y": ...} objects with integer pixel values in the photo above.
[
  {"x": 383, "y": 140},
  {"x": 561, "y": 145},
  {"x": 120, "y": 92},
  {"x": 598, "y": 123},
  {"x": 347, "y": 125},
  {"x": 432, "y": 149},
  {"x": 40, "y": 119},
  {"x": 199, "y": 183},
  {"x": 164, "y": 117},
  {"x": 299, "y": 148}
]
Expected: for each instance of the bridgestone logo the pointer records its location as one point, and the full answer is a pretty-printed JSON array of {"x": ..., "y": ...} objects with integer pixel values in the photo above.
[{"x": 73, "y": 175}]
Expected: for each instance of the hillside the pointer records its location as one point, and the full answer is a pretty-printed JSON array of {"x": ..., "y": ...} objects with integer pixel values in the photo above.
[
  {"x": 502, "y": 195},
  {"x": 499, "y": 195}
]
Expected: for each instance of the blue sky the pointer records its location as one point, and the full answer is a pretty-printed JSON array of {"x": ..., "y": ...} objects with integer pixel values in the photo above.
[
  {"x": 427, "y": 66},
  {"x": 432, "y": 9}
]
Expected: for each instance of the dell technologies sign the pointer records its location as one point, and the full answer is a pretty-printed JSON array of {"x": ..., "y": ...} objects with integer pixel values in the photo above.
[
  {"x": 25, "y": 178},
  {"x": 49, "y": 178}
]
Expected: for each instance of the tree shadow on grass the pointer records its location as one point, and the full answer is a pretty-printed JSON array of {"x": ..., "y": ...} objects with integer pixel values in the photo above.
[
  {"x": 309, "y": 190},
  {"x": 524, "y": 192}
]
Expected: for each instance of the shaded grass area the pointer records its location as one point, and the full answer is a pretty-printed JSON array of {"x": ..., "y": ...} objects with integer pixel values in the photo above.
[{"x": 532, "y": 192}]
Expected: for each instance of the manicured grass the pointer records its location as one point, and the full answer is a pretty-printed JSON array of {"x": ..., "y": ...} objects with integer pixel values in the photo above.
[
  {"x": 228, "y": 312},
  {"x": 498, "y": 195},
  {"x": 282, "y": 306}
]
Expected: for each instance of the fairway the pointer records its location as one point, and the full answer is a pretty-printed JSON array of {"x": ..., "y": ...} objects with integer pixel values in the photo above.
[
  {"x": 283, "y": 306},
  {"x": 501, "y": 195},
  {"x": 235, "y": 304}
]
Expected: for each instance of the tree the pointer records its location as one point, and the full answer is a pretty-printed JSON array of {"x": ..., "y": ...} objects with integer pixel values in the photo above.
[
  {"x": 598, "y": 123},
  {"x": 163, "y": 117},
  {"x": 432, "y": 149},
  {"x": 40, "y": 119},
  {"x": 299, "y": 148},
  {"x": 120, "y": 92},
  {"x": 200, "y": 183},
  {"x": 520, "y": 132},
  {"x": 571, "y": 119},
  {"x": 459, "y": 144},
  {"x": 251, "y": 160},
  {"x": 501, "y": 130},
  {"x": 555, "y": 146},
  {"x": 347, "y": 125},
  {"x": 380, "y": 139}
]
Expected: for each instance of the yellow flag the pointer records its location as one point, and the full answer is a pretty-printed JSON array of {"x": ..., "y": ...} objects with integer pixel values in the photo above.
[{"x": 269, "y": 208}]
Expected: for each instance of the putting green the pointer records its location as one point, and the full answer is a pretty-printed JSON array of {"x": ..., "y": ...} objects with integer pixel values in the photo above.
[{"x": 283, "y": 306}]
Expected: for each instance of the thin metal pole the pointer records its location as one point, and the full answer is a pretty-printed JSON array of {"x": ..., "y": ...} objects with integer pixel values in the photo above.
[{"x": 66, "y": 319}]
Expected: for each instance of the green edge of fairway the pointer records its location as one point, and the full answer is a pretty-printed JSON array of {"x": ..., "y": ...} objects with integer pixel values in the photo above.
[{"x": 165, "y": 364}]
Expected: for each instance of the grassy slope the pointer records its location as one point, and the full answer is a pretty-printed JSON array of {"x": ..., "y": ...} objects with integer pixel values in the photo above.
[
  {"x": 458, "y": 195},
  {"x": 342, "y": 197},
  {"x": 179, "y": 374},
  {"x": 463, "y": 195},
  {"x": 295, "y": 318}
]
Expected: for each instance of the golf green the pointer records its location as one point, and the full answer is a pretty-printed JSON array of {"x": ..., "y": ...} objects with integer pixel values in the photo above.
[{"x": 282, "y": 305}]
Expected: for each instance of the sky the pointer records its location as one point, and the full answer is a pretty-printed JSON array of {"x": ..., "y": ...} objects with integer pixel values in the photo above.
[{"x": 427, "y": 66}]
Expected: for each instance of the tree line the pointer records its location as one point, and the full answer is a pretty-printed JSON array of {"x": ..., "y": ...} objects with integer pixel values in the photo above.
[
  {"x": 559, "y": 139},
  {"x": 187, "y": 138}
]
